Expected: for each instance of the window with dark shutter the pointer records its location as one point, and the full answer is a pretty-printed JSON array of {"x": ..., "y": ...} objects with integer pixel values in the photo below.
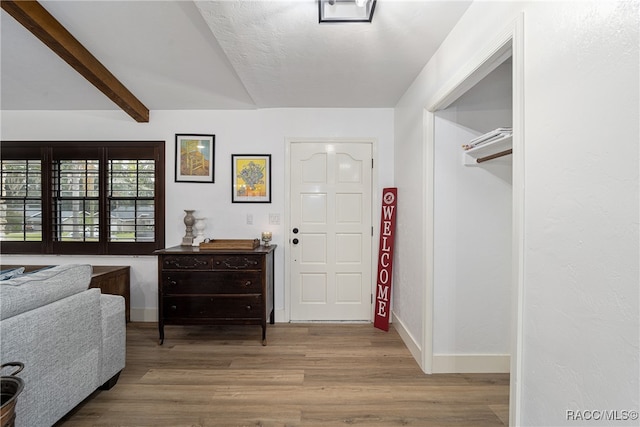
[{"x": 82, "y": 197}]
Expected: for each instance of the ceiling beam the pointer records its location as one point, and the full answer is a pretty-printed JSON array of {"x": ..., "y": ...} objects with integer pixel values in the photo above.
[{"x": 44, "y": 26}]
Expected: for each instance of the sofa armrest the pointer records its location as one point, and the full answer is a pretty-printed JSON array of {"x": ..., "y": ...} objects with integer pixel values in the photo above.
[{"x": 112, "y": 308}]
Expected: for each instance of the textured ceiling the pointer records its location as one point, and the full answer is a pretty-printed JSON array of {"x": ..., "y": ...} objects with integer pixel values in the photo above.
[{"x": 226, "y": 54}]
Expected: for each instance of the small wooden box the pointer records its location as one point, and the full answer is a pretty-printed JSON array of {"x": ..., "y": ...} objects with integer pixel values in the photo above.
[{"x": 230, "y": 244}]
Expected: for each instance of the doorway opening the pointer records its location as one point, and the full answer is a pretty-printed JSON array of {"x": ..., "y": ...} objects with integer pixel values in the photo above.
[
  {"x": 507, "y": 49},
  {"x": 473, "y": 229}
]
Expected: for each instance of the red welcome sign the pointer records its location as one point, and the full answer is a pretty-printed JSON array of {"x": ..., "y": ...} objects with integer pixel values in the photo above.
[{"x": 385, "y": 258}]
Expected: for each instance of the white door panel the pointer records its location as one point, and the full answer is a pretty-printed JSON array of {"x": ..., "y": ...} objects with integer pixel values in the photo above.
[{"x": 330, "y": 266}]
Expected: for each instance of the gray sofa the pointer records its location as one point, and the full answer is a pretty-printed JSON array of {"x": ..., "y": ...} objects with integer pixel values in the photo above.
[{"x": 71, "y": 340}]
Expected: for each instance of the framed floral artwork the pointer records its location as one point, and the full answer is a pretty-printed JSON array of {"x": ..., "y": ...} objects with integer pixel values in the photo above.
[
  {"x": 195, "y": 157},
  {"x": 251, "y": 178}
]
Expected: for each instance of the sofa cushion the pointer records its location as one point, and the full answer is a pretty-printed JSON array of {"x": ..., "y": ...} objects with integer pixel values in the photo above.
[
  {"x": 10, "y": 273},
  {"x": 28, "y": 291}
]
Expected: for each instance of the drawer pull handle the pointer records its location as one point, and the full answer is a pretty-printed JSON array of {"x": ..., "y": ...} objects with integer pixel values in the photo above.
[
  {"x": 248, "y": 283},
  {"x": 173, "y": 282},
  {"x": 173, "y": 307},
  {"x": 248, "y": 308}
]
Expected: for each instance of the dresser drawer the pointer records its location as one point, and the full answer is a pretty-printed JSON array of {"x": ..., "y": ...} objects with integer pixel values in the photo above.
[
  {"x": 203, "y": 307},
  {"x": 211, "y": 282},
  {"x": 187, "y": 262},
  {"x": 211, "y": 262},
  {"x": 237, "y": 262}
]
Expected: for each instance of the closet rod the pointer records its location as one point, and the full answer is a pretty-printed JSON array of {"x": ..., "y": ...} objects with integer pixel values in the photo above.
[{"x": 495, "y": 156}]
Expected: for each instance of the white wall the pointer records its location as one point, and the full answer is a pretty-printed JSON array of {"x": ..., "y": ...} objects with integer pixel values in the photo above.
[
  {"x": 237, "y": 132},
  {"x": 580, "y": 314},
  {"x": 472, "y": 231}
]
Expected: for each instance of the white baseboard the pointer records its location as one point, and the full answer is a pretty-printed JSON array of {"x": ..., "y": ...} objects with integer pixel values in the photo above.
[
  {"x": 471, "y": 363},
  {"x": 407, "y": 338},
  {"x": 144, "y": 314},
  {"x": 279, "y": 316}
]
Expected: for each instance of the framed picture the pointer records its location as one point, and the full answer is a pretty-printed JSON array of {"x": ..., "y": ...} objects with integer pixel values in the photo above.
[
  {"x": 195, "y": 157},
  {"x": 251, "y": 178}
]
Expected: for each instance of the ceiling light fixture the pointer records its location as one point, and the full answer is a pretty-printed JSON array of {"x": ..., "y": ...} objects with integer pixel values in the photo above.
[{"x": 346, "y": 10}]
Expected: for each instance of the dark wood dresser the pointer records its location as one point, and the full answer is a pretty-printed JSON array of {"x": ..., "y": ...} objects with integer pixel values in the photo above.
[{"x": 215, "y": 287}]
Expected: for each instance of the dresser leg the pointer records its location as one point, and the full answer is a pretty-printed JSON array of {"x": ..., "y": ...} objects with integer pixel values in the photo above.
[
  {"x": 264, "y": 335},
  {"x": 161, "y": 330}
]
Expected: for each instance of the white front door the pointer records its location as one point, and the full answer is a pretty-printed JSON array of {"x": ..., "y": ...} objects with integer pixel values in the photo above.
[{"x": 330, "y": 235}]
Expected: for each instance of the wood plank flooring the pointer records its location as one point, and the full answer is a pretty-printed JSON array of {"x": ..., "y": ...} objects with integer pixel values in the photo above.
[{"x": 308, "y": 375}]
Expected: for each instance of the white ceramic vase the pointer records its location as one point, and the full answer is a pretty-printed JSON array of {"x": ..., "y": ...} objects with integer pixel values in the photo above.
[{"x": 200, "y": 225}]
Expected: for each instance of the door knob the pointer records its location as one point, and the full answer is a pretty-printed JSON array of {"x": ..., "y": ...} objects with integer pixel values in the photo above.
[
  {"x": 295, "y": 231},
  {"x": 295, "y": 241}
]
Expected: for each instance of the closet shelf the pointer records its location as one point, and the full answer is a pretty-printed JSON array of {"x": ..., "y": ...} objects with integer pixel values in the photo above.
[{"x": 494, "y": 149}]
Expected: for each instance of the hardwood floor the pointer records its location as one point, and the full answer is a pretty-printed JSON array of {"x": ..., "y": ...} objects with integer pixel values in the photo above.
[{"x": 308, "y": 375}]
